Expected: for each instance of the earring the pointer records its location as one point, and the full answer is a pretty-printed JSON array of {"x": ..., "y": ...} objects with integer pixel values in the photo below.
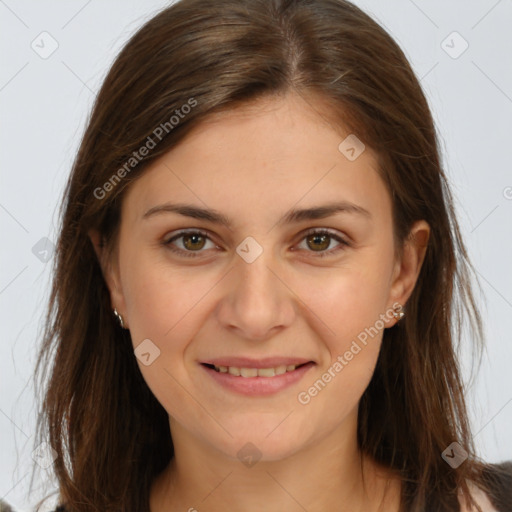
[
  {"x": 119, "y": 318},
  {"x": 398, "y": 313}
]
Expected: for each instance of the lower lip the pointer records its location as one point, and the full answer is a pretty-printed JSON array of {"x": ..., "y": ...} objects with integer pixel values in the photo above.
[{"x": 258, "y": 386}]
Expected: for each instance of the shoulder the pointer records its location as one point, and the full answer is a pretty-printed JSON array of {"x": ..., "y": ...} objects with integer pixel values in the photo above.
[
  {"x": 481, "y": 498},
  {"x": 497, "y": 497},
  {"x": 498, "y": 480}
]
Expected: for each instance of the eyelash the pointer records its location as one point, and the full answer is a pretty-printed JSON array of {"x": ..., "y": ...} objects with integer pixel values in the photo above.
[{"x": 321, "y": 254}]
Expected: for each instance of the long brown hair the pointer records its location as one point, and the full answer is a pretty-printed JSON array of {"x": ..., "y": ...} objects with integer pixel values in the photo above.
[{"x": 110, "y": 434}]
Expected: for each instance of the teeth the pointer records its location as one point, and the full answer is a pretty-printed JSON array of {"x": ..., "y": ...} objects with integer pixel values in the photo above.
[
  {"x": 281, "y": 369},
  {"x": 256, "y": 372},
  {"x": 249, "y": 372}
]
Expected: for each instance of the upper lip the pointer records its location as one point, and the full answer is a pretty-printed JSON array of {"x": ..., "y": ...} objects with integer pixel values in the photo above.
[{"x": 246, "y": 362}]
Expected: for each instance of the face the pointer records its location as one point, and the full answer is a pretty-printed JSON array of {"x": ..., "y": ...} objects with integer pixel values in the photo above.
[{"x": 269, "y": 280}]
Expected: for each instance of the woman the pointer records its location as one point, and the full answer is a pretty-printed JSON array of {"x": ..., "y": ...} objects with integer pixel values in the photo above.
[{"x": 258, "y": 277}]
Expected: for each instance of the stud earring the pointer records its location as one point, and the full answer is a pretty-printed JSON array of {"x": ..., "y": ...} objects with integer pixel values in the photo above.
[
  {"x": 119, "y": 318},
  {"x": 398, "y": 313}
]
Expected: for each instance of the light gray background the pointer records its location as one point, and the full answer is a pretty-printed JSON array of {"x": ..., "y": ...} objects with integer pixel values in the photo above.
[{"x": 44, "y": 104}]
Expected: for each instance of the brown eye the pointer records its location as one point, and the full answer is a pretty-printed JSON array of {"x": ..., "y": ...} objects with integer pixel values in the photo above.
[
  {"x": 193, "y": 241},
  {"x": 318, "y": 242},
  {"x": 189, "y": 243}
]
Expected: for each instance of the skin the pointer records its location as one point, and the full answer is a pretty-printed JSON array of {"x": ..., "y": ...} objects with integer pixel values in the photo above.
[{"x": 253, "y": 164}]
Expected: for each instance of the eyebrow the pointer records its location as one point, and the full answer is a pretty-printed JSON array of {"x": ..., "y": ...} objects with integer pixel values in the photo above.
[{"x": 292, "y": 216}]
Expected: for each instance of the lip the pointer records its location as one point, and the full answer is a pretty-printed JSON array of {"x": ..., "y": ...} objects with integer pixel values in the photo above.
[
  {"x": 246, "y": 362},
  {"x": 258, "y": 386}
]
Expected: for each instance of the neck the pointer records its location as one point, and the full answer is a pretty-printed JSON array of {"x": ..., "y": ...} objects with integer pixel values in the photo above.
[{"x": 329, "y": 475}]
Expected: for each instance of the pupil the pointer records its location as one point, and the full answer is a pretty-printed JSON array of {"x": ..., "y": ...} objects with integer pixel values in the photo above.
[
  {"x": 324, "y": 238},
  {"x": 194, "y": 238}
]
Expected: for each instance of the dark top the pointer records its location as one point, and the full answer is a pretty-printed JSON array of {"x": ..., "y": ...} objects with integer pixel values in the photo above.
[{"x": 499, "y": 481}]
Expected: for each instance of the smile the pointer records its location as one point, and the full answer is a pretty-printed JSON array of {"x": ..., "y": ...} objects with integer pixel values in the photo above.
[
  {"x": 251, "y": 381},
  {"x": 256, "y": 372}
]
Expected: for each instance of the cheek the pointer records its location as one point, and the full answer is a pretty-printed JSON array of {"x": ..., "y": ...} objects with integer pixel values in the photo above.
[
  {"x": 163, "y": 304},
  {"x": 350, "y": 306},
  {"x": 349, "y": 302},
  {"x": 161, "y": 299},
  {"x": 348, "y": 299}
]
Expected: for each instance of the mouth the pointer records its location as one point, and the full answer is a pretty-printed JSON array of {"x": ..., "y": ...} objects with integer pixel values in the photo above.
[
  {"x": 246, "y": 372},
  {"x": 256, "y": 378}
]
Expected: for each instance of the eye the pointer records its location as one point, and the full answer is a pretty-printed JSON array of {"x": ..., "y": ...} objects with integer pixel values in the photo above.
[
  {"x": 320, "y": 239},
  {"x": 190, "y": 241}
]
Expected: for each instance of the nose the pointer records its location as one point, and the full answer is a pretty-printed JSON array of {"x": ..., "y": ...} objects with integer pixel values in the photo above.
[{"x": 256, "y": 301}]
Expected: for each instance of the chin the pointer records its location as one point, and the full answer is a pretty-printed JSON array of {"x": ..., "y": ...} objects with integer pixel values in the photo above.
[
  {"x": 262, "y": 440},
  {"x": 252, "y": 452}
]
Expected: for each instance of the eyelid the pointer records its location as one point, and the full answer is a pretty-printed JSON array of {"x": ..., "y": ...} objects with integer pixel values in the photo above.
[
  {"x": 342, "y": 241},
  {"x": 188, "y": 231},
  {"x": 167, "y": 242},
  {"x": 328, "y": 231}
]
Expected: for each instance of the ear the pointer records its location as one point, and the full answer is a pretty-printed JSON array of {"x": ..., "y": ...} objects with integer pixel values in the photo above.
[
  {"x": 407, "y": 269},
  {"x": 110, "y": 269}
]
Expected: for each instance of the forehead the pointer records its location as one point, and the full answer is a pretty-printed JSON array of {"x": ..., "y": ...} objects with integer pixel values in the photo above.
[{"x": 269, "y": 153}]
